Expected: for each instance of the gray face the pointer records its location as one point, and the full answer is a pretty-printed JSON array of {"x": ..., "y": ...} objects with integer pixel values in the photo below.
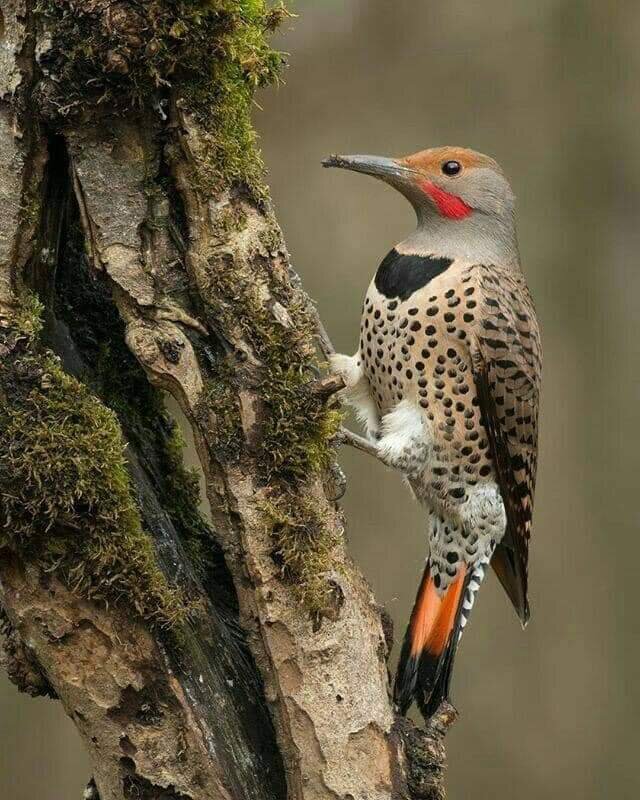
[
  {"x": 484, "y": 189},
  {"x": 470, "y": 216},
  {"x": 463, "y": 201}
]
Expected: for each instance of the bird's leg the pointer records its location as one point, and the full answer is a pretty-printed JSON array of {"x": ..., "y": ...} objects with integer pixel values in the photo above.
[
  {"x": 401, "y": 442},
  {"x": 337, "y": 381},
  {"x": 346, "y": 436},
  {"x": 328, "y": 386},
  {"x": 349, "y": 369}
]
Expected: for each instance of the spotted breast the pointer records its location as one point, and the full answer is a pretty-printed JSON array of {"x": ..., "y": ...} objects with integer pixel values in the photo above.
[{"x": 458, "y": 342}]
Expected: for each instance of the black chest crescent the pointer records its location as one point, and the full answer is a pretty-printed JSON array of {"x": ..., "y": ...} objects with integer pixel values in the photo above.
[{"x": 400, "y": 274}]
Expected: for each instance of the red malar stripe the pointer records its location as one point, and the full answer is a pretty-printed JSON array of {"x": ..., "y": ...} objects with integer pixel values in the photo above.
[{"x": 448, "y": 204}]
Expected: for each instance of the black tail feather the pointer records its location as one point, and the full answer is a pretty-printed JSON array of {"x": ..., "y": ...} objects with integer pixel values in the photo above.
[
  {"x": 435, "y": 677},
  {"x": 406, "y": 680}
]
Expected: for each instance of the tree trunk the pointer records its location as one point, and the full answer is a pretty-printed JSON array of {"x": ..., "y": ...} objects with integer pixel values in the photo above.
[{"x": 139, "y": 253}]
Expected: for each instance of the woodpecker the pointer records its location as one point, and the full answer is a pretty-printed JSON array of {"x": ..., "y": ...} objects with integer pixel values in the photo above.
[{"x": 446, "y": 382}]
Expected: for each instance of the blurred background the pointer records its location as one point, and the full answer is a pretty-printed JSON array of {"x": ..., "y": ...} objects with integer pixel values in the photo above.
[{"x": 550, "y": 90}]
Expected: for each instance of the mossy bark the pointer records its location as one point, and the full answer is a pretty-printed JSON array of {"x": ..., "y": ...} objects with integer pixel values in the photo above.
[{"x": 135, "y": 209}]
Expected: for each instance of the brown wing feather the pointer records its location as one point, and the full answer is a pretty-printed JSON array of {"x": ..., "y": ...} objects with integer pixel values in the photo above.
[{"x": 507, "y": 367}]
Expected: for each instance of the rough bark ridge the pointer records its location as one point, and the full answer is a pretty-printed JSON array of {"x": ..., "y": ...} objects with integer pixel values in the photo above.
[{"x": 131, "y": 201}]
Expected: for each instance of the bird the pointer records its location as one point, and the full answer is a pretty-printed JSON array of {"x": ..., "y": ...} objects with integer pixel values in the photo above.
[{"x": 446, "y": 383}]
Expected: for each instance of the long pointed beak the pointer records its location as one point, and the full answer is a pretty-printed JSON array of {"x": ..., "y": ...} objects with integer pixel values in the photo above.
[{"x": 378, "y": 166}]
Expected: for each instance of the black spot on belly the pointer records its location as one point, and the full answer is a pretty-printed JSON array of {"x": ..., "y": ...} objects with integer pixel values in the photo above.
[{"x": 400, "y": 275}]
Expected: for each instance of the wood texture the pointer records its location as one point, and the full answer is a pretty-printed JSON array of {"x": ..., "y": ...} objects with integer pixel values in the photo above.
[{"x": 159, "y": 725}]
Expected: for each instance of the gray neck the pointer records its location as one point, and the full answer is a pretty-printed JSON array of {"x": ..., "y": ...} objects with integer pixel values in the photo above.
[{"x": 479, "y": 238}]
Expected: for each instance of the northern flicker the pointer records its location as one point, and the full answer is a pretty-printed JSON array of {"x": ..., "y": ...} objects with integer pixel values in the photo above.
[{"x": 446, "y": 381}]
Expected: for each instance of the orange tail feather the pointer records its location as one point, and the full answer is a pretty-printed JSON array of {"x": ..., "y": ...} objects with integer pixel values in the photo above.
[{"x": 429, "y": 644}]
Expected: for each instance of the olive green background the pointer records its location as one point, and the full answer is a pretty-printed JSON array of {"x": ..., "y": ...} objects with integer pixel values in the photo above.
[{"x": 549, "y": 88}]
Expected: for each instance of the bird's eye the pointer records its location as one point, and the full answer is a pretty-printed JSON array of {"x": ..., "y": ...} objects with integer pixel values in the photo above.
[{"x": 451, "y": 167}]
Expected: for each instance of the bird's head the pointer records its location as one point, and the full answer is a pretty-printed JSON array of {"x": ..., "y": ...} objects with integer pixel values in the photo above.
[{"x": 454, "y": 191}]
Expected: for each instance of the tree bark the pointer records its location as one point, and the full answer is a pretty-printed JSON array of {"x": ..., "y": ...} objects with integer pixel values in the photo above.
[{"x": 132, "y": 204}]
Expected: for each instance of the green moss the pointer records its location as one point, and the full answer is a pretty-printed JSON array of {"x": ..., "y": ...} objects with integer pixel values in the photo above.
[
  {"x": 296, "y": 447},
  {"x": 182, "y": 503},
  {"x": 271, "y": 239},
  {"x": 219, "y": 413},
  {"x": 299, "y": 428},
  {"x": 67, "y": 500},
  {"x": 229, "y": 220},
  {"x": 305, "y": 548},
  {"x": 124, "y": 388},
  {"x": 29, "y": 317},
  {"x": 299, "y": 425},
  {"x": 123, "y": 57}
]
